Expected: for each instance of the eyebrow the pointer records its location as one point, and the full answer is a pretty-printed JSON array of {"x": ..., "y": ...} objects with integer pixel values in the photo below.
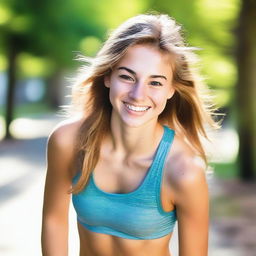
[{"x": 134, "y": 73}]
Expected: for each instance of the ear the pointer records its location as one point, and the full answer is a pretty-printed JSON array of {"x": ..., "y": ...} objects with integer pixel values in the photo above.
[
  {"x": 170, "y": 93},
  {"x": 107, "y": 81}
]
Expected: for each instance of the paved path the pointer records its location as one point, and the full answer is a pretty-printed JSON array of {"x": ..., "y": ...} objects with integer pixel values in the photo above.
[{"x": 22, "y": 174}]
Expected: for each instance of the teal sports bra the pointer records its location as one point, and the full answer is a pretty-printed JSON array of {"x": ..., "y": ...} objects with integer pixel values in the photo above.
[{"x": 134, "y": 215}]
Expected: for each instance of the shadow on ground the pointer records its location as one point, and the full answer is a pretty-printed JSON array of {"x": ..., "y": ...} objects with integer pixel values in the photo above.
[
  {"x": 233, "y": 215},
  {"x": 20, "y": 160}
]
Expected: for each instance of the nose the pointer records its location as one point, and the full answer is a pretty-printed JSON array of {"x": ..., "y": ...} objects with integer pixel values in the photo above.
[{"x": 138, "y": 91}]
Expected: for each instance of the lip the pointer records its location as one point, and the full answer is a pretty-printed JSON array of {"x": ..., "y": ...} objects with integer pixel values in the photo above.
[{"x": 133, "y": 112}]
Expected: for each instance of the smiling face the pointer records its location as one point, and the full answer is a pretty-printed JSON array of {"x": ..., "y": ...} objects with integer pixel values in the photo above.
[{"x": 140, "y": 85}]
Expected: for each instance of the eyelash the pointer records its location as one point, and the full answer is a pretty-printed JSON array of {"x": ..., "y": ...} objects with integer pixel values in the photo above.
[
  {"x": 158, "y": 83},
  {"x": 131, "y": 79},
  {"x": 126, "y": 77}
]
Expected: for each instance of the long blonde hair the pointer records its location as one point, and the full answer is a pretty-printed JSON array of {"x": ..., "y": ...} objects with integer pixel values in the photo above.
[{"x": 188, "y": 111}]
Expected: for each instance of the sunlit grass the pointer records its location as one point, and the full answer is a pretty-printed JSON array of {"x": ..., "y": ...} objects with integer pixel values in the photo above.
[
  {"x": 30, "y": 121},
  {"x": 227, "y": 170},
  {"x": 224, "y": 168},
  {"x": 23, "y": 115},
  {"x": 29, "y": 110}
]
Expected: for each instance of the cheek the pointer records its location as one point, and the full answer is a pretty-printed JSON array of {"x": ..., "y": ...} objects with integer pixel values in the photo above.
[
  {"x": 160, "y": 97},
  {"x": 118, "y": 88},
  {"x": 112, "y": 95},
  {"x": 160, "y": 100},
  {"x": 115, "y": 91}
]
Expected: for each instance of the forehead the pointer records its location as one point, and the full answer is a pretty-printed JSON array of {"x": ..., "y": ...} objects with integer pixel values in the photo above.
[{"x": 147, "y": 59}]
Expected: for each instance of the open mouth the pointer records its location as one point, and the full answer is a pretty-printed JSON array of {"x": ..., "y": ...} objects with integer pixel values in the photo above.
[{"x": 136, "y": 108}]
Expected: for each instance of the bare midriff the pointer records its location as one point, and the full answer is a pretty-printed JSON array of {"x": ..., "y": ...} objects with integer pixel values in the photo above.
[{"x": 96, "y": 244}]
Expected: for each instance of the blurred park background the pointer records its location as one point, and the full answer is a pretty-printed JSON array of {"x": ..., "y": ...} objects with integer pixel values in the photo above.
[{"x": 38, "y": 43}]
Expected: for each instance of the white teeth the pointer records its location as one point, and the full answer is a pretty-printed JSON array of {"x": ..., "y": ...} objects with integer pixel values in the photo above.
[{"x": 139, "y": 109}]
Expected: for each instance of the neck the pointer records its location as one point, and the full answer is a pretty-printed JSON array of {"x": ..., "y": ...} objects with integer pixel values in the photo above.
[{"x": 134, "y": 142}]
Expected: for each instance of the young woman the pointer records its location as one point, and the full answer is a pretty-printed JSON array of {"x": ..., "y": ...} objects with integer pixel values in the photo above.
[{"x": 130, "y": 159}]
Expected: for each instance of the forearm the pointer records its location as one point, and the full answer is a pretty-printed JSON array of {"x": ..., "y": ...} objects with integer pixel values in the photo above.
[{"x": 54, "y": 238}]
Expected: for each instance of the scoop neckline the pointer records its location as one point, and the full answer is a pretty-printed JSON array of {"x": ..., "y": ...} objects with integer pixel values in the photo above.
[{"x": 143, "y": 182}]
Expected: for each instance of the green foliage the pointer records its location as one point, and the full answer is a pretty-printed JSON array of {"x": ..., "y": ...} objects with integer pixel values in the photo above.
[
  {"x": 227, "y": 170},
  {"x": 29, "y": 110},
  {"x": 5, "y": 14},
  {"x": 55, "y": 31},
  {"x": 90, "y": 45},
  {"x": 3, "y": 63},
  {"x": 32, "y": 66},
  {"x": 209, "y": 25}
]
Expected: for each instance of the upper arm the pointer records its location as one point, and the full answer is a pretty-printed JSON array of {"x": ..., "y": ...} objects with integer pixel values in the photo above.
[
  {"x": 60, "y": 159},
  {"x": 192, "y": 207}
]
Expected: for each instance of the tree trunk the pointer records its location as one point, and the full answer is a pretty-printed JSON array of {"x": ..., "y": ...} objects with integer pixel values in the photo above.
[
  {"x": 246, "y": 89},
  {"x": 11, "y": 75},
  {"x": 54, "y": 88}
]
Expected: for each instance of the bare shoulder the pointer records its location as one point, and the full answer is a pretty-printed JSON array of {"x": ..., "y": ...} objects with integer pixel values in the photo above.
[
  {"x": 64, "y": 133},
  {"x": 61, "y": 141},
  {"x": 189, "y": 194},
  {"x": 185, "y": 171}
]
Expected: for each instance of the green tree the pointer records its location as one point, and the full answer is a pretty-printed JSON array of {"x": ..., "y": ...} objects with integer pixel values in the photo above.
[
  {"x": 55, "y": 30},
  {"x": 208, "y": 25},
  {"x": 42, "y": 28},
  {"x": 246, "y": 89}
]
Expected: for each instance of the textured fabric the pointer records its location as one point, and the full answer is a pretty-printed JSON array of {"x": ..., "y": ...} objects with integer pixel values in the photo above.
[{"x": 134, "y": 215}]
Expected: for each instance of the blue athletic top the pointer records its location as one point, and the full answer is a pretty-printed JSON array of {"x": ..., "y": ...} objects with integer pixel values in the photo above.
[{"x": 134, "y": 215}]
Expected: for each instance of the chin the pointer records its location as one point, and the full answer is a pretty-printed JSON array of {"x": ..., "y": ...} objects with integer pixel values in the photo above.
[
  {"x": 133, "y": 121},
  {"x": 136, "y": 123}
]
